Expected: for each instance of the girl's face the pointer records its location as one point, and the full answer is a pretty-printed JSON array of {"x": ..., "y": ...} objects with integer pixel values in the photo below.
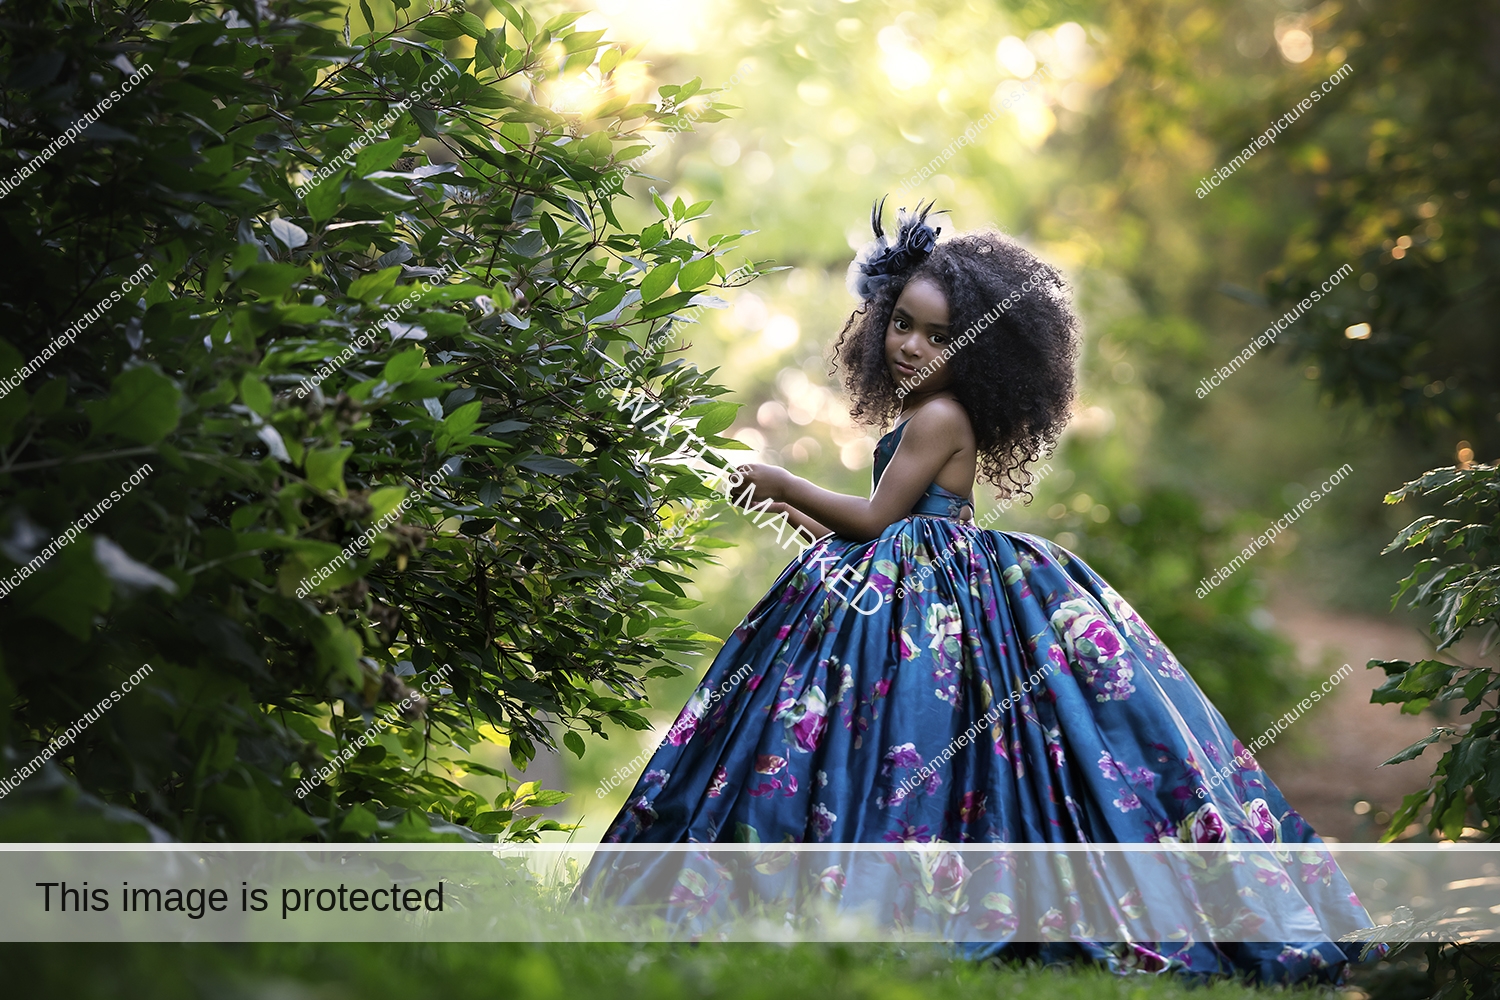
[{"x": 915, "y": 338}]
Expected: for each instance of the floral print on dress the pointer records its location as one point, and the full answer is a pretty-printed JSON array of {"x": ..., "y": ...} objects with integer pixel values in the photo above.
[
  {"x": 1096, "y": 649},
  {"x": 805, "y": 718},
  {"x": 848, "y": 728}
]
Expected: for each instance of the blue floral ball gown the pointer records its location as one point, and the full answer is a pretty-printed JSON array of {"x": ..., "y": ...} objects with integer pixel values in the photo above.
[{"x": 831, "y": 715}]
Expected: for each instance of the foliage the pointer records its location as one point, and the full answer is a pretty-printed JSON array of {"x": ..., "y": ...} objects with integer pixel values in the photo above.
[
  {"x": 742, "y": 971},
  {"x": 1404, "y": 189},
  {"x": 1462, "y": 584},
  {"x": 490, "y": 213}
]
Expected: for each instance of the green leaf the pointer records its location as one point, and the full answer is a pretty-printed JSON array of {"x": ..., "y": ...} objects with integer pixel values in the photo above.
[
  {"x": 370, "y": 287},
  {"x": 659, "y": 280},
  {"x": 1415, "y": 750},
  {"x": 441, "y": 27},
  {"x": 325, "y": 468},
  {"x": 666, "y": 306},
  {"x": 142, "y": 406},
  {"x": 404, "y": 365},
  {"x": 470, "y": 25},
  {"x": 385, "y": 500},
  {"x": 716, "y": 418},
  {"x": 573, "y": 742},
  {"x": 549, "y": 465},
  {"x": 697, "y": 273},
  {"x": 462, "y": 420},
  {"x": 359, "y": 820},
  {"x": 254, "y": 394},
  {"x": 378, "y": 156},
  {"x": 322, "y": 199},
  {"x": 271, "y": 280}
]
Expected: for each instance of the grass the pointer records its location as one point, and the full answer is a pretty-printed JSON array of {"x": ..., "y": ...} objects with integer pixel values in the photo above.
[{"x": 561, "y": 972}]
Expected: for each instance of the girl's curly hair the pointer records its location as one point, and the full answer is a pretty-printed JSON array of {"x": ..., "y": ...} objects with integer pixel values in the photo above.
[{"x": 1015, "y": 377}]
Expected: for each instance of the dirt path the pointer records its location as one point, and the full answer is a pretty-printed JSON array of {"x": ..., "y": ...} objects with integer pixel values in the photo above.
[{"x": 1328, "y": 761}]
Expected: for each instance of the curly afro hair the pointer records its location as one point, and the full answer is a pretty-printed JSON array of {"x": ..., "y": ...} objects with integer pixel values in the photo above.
[{"x": 1015, "y": 377}]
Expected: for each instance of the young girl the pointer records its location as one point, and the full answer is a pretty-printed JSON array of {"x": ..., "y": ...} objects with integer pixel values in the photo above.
[{"x": 837, "y": 711}]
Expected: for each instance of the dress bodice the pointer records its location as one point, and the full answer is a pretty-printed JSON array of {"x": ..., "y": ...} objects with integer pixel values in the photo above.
[{"x": 937, "y": 501}]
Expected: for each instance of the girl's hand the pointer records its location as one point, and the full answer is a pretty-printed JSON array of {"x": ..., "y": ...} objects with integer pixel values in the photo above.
[{"x": 767, "y": 480}]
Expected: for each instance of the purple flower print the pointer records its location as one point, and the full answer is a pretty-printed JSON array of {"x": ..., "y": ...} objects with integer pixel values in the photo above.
[
  {"x": 689, "y": 718},
  {"x": 1170, "y": 669},
  {"x": 1096, "y": 648},
  {"x": 846, "y": 682},
  {"x": 1054, "y": 749},
  {"x": 998, "y": 914},
  {"x": 1113, "y": 769},
  {"x": 920, "y": 834},
  {"x": 831, "y": 880},
  {"x": 691, "y": 893},
  {"x": 655, "y": 777},
  {"x": 948, "y": 874},
  {"x": 1057, "y": 658},
  {"x": 1014, "y": 577},
  {"x": 1264, "y": 822},
  {"x": 971, "y": 808},
  {"x": 1099, "y": 641},
  {"x": 1205, "y": 826},
  {"x": 1243, "y": 758},
  {"x": 1270, "y": 877},
  {"x": 822, "y": 822},
  {"x": 1316, "y": 867},
  {"x": 766, "y": 788},
  {"x": 1162, "y": 832},
  {"x": 900, "y": 755},
  {"x": 805, "y": 719},
  {"x": 909, "y": 649},
  {"x": 791, "y": 785},
  {"x": 943, "y": 623},
  {"x": 1128, "y": 801},
  {"x": 720, "y": 779},
  {"x": 1053, "y": 925},
  {"x": 642, "y": 811},
  {"x": 768, "y": 763}
]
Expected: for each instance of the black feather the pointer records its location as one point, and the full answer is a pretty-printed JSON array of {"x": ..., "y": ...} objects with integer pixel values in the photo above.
[{"x": 886, "y": 258}]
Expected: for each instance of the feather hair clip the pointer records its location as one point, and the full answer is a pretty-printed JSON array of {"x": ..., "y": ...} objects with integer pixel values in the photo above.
[{"x": 886, "y": 258}]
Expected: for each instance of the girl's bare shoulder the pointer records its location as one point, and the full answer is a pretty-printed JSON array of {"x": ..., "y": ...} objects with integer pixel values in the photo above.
[{"x": 942, "y": 416}]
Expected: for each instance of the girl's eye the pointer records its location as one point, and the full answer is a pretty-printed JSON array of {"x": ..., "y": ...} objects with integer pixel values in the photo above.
[
  {"x": 939, "y": 339},
  {"x": 901, "y": 324}
]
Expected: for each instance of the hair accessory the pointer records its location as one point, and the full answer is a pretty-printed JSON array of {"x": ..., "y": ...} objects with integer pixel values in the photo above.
[{"x": 886, "y": 258}]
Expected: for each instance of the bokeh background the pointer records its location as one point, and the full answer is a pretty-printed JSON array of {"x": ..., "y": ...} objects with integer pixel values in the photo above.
[{"x": 1103, "y": 118}]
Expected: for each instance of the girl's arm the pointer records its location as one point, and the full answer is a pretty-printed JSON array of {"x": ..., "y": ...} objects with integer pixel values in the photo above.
[
  {"x": 933, "y": 435},
  {"x": 797, "y": 519}
]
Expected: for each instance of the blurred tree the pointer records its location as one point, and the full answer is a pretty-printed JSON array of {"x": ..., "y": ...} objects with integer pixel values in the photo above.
[{"x": 1403, "y": 169}]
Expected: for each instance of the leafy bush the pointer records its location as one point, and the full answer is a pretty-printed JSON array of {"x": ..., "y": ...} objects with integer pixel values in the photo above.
[
  {"x": 1462, "y": 584},
  {"x": 464, "y": 239}
]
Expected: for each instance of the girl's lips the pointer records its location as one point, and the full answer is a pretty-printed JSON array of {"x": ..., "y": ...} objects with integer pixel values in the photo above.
[{"x": 905, "y": 369}]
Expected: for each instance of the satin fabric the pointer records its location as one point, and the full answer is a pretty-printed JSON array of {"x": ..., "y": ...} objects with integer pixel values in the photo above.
[{"x": 948, "y": 683}]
